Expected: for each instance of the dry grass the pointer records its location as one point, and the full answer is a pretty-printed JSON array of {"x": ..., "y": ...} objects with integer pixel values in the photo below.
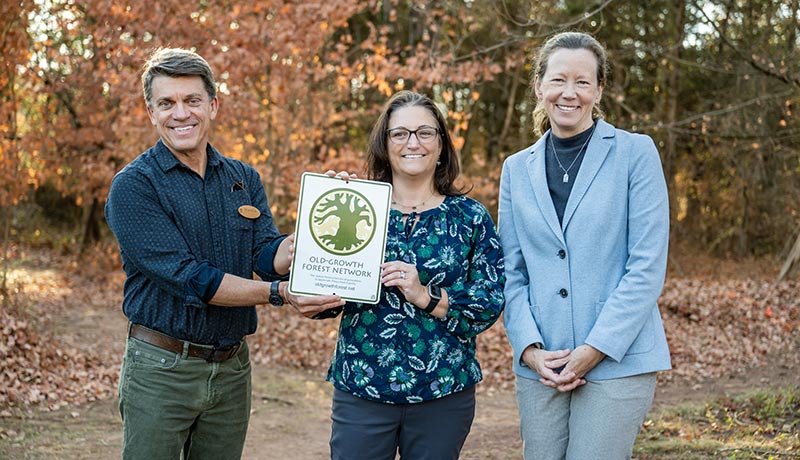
[{"x": 761, "y": 425}]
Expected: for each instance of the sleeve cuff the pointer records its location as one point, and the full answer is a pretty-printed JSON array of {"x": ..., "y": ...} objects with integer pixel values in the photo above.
[
  {"x": 202, "y": 284},
  {"x": 265, "y": 264},
  {"x": 614, "y": 355}
]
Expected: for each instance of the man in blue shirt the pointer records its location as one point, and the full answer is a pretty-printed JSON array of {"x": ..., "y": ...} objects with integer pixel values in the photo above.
[{"x": 193, "y": 226}]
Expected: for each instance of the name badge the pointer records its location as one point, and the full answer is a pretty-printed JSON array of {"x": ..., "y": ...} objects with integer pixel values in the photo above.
[{"x": 249, "y": 212}]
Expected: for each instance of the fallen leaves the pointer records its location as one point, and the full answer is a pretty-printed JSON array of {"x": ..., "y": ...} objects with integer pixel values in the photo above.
[
  {"x": 40, "y": 365},
  {"x": 712, "y": 333},
  {"x": 37, "y": 371},
  {"x": 714, "y": 328}
]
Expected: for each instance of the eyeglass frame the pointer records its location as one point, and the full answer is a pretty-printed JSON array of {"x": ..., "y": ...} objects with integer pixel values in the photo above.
[{"x": 414, "y": 132}]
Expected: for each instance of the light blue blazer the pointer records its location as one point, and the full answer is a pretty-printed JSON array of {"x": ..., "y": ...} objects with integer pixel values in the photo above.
[{"x": 614, "y": 238}]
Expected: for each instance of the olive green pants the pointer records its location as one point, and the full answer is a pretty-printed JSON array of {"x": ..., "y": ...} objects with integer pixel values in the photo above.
[{"x": 177, "y": 407}]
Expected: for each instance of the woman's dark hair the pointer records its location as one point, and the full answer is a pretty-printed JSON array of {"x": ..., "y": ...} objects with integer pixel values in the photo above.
[
  {"x": 378, "y": 166},
  {"x": 564, "y": 40}
]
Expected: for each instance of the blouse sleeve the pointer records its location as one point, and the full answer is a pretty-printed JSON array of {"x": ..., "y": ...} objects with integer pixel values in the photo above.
[{"x": 477, "y": 302}]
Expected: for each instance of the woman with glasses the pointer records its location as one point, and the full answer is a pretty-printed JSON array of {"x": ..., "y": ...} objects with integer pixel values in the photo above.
[{"x": 404, "y": 371}]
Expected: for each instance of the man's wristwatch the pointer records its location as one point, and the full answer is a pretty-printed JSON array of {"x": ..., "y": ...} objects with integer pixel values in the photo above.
[
  {"x": 275, "y": 298},
  {"x": 435, "y": 292}
]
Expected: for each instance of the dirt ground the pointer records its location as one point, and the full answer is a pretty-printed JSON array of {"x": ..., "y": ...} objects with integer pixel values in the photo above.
[
  {"x": 290, "y": 416},
  {"x": 291, "y": 408}
]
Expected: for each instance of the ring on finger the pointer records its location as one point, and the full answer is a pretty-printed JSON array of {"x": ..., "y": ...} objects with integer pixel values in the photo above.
[{"x": 402, "y": 275}]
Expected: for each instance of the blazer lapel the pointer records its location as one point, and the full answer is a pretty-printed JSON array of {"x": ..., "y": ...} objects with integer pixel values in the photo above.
[
  {"x": 541, "y": 192},
  {"x": 596, "y": 153}
]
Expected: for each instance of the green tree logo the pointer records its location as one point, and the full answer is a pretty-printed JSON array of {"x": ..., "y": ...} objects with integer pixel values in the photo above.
[{"x": 342, "y": 221}]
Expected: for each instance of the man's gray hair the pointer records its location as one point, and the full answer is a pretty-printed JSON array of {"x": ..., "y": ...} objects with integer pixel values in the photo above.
[{"x": 177, "y": 62}]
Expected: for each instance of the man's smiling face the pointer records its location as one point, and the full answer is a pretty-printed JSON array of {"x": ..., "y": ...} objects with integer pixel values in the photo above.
[{"x": 181, "y": 111}]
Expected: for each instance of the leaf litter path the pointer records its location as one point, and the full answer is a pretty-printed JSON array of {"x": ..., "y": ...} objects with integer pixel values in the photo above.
[{"x": 63, "y": 336}]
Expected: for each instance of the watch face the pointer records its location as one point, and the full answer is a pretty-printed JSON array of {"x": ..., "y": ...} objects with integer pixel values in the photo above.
[{"x": 434, "y": 291}]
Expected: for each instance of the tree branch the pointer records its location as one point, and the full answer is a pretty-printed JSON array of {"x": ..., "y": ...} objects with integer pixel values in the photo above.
[
  {"x": 752, "y": 60},
  {"x": 713, "y": 113}
]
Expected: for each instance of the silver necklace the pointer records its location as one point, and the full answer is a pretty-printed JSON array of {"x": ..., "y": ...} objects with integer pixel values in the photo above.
[{"x": 565, "y": 179}]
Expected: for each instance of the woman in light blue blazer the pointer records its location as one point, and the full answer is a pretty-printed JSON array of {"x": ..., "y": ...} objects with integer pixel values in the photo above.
[{"x": 584, "y": 223}]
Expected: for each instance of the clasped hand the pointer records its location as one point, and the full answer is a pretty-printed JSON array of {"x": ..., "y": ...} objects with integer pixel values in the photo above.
[{"x": 562, "y": 369}]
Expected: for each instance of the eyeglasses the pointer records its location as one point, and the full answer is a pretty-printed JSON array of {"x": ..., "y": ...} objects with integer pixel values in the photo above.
[{"x": 400, "y": 136}]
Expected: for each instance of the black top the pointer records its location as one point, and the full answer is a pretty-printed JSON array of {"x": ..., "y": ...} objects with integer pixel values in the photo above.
[{"x": 571, "y": 151}]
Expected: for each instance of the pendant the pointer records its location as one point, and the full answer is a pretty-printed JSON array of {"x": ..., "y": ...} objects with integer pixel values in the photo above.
[{"x": 566, "y": 178}]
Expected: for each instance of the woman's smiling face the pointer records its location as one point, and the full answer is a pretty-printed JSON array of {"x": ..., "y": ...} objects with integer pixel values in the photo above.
[
  {"x": 414, "y": 157},
  {"x": 569, "y": 90}
]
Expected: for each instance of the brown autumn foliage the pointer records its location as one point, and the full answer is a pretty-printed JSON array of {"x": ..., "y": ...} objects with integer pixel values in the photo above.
[
  {"x": 15, "y": 42},
  {"x": 301, "y": 82},
  {"x": 289, "y": 101}
]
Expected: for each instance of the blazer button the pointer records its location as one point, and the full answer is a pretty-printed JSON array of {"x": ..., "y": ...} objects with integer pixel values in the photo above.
[
  {"x": 562, "y": 253},
  {"x": 563, "y": 292}
]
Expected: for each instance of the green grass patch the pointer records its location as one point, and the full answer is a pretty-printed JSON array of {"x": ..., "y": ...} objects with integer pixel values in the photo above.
[{"x": 760, "y": 425}]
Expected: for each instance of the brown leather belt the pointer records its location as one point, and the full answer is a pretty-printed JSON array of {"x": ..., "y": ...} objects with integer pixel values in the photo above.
[{"x": 176, "y": 346}]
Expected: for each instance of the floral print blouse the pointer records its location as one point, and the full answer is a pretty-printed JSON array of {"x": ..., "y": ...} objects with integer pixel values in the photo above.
[{"x": 392, "y": 351}]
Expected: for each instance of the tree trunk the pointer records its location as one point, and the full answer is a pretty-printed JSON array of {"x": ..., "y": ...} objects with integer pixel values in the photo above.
[
  {"x": 510, "y": 106},
  {"x": 790, "y": 265},
  {"x": 674, "y": 91},
  {"x": 89, "y": 224},
  {"x": 6, "y": 212}
]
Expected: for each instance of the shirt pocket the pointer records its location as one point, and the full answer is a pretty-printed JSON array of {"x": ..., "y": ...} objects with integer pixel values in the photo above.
[
  {"x": 241, "y": 229},
  {"x": 235, "y": 209}
]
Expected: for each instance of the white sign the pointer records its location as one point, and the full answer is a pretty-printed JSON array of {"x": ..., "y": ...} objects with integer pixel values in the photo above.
[{"x": 340, "y": 237}]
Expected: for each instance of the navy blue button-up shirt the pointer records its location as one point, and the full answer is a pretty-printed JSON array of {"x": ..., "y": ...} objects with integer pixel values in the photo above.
[{"x": 179, "y": 233}]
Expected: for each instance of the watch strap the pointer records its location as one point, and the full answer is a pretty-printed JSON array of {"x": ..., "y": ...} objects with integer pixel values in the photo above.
[
  {"x": 431, "y": 305},
  {"x": 434, "y": 300}
]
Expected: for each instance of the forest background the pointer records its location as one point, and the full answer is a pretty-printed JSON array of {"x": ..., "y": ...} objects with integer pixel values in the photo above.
[{"x": 716, "y": 84}]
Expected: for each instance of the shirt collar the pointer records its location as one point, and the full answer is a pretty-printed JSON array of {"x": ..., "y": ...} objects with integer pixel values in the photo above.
[{"x": 166, "y": 160}]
